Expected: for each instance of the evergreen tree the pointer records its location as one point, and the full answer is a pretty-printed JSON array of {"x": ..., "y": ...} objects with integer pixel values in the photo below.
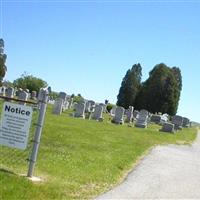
[
  {"x": 130, "y": 86},
  {"x": 161, "y": 91},
  {"x": 3, "y": 57}
]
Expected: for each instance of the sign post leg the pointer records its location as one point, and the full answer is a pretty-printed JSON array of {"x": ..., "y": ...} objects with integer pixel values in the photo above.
[{"x": 42, "y": 110}]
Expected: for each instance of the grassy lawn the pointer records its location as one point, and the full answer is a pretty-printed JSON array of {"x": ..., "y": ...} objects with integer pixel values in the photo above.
[{"x": 79, "y": 159}]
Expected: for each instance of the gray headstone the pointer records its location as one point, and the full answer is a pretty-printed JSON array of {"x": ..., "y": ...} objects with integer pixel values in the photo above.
[
  {"x": 10, "y": 92},
  {"x": 34, "y": 95},
  {"x": 156, "y": 118},
  {"x": 142, "y": 119},
  {"x": 129, "y": 114},
  {"x": 167, "y": 127},
  {"x": 2, "y": 91},
  {"x": 177, "y": 121},
  {"x": 80, "y": 110},
  {"x": 58, "y": 106},
  {"x": 22, "y": 95},
  {"x": 62, "y": 95},
  {"x": 119, "y": 115},
  {"x": 186, "y": 122},
  {"x": 135, "y": 114},
  {"x": 98, "y": 113},
  {"x": 112, "y": 111}
]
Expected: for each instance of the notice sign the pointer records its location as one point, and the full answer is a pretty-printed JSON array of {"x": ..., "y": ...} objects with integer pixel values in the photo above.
[{"x": 15, "y": 124}]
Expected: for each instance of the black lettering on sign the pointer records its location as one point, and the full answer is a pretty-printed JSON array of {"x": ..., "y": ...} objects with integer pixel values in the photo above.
[{"x": 16, "y": 110}]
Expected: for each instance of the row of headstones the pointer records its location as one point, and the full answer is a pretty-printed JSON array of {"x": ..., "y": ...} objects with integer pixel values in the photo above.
[
  {"x": 21, "y": 94},
  {"x": 62, "y": 103},
  {"x": 143, "y": 117},
  {"x": 94, "y": 110},
  {"x": 177, "y": 123}
]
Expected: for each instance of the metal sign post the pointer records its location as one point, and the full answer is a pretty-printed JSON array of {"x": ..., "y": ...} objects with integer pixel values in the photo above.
[{"x": 43, "y": 98}]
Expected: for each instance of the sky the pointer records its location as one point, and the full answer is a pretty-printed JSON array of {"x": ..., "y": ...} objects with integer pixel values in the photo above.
[{"x": 86, "y": 47}]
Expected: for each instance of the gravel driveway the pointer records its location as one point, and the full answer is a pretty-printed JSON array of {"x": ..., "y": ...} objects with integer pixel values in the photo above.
[{"x": 171, "y": 171}]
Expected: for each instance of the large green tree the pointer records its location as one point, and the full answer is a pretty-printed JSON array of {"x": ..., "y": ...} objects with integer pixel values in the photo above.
[
  {"x": 3, "y": 57},
  {"x": 29, "y": 82},
  {"x": 130, "y": 86},
  {"x": 161, "y": 91}
]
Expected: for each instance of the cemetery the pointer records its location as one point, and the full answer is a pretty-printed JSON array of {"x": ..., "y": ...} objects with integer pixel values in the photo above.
[{"x": 80, "y": 157}]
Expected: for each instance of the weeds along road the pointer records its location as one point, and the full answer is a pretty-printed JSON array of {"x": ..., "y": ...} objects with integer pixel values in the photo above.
[{"x": 171, "y": 171}]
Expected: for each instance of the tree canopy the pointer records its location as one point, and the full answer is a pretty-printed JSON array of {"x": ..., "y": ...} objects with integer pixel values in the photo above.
[
  {"x": 3, "y": 57},
  {"x": 159, "y": 93},
  {"x": 130, "y": 86},
  {"x": 29, "y": 82}
]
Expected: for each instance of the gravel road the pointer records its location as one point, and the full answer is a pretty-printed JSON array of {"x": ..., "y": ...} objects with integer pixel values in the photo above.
[{"x": 168, "y": 172}]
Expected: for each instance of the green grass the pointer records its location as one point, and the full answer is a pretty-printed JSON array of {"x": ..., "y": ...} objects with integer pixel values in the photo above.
[{"x": 79, "y": 159}]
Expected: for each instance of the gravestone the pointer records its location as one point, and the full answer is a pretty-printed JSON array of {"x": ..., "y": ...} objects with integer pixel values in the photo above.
[
  {"x": 119, "y": 116},
  {"x": 62, "y": 95},
  {"x": 22, "y": 95},
  {"x": 10, "y": 92},
  {"x": 34, "y": 95},
  {"x": 156, "y": 118},
  {"x": 112, "y": 111},
  {"x": 104, "y": 107},
  {"x": 135, "y": 114},
  {"x": 167, "y": 127},
  {"x": 98, "y": 113},
  {"x": 129, "y": 114},
  {"x": 142, "y": 119},
  {"x": 80, "y": 110},
  {"x": 58, "y": 106},
  {"x": 70, "y": 101},
  {"x": 87, "y": 106},
  {"x": 186, "y": 122},
  {"x": 2, "y": 91},
  {"x": 177, "y": 121}
]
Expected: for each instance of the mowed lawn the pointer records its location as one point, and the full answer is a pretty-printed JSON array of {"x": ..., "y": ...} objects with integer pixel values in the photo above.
[{"x": 79, "y": 159}]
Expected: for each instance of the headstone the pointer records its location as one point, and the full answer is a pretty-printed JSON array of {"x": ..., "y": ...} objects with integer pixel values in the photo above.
[
  {"x": 167, "y": 127},
  {"x": 119, "y": 115},
  {"x": 177, "y": 121},
  {"x": 129, "y": 114},
  {"x": 62, "y": 95},
  {"x": 70, "y": 101},
  {"x": 87, "y": 106},
  {"x": 58, "y": 106},
  {"x": 34, "y": 95},
  {"x": 156, "y": 118},
  {"x": 2, "y": 91},
  {"x": 10, "y": 92},
  {"x": 112, "y": 111},
  {"x": 186, "y": 122},
  {"x": 98, "y": 113},
  {"x": 104, "y": 106},
  {"x": 135, "y": 114},
  {"x": 80, "y": 110},
  {"x": 22, "y": 95},
  {"x": 142, "y": 119}
]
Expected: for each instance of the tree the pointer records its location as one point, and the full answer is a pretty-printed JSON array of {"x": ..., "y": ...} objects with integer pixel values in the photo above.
[
  {"x": 3, "y": 57},
  {"x": 29, "y": 82},
  {"x": 130, "y": 87},
  {"x": 161, "y": 91}
]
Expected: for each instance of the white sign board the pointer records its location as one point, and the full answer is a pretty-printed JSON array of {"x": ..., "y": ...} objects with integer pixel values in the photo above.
[{"x": 15, "y": 124}]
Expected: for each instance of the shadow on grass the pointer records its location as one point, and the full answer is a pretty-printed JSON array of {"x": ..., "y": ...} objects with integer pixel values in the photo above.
[{"x": 7, "y": 171}]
